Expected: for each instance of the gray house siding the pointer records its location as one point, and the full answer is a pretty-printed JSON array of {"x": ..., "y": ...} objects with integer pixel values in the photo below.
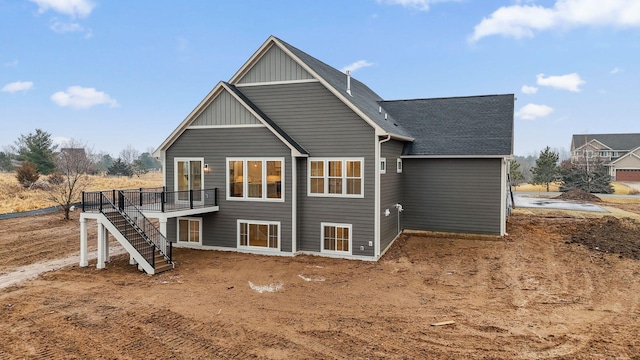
[
  {"x": 452, "y": 195},
  {"x": 215, "y": 145},
  {"x": 390, "y": 193},
  {"x": 326, "y": 127},
  {"x": 275, "y": 65},
  {"x": 225, "y": 110}
]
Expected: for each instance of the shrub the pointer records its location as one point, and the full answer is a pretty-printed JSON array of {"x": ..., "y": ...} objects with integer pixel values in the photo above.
[
  {"x": 55, "y": 179},
  {"x": 27, "y": 174}
]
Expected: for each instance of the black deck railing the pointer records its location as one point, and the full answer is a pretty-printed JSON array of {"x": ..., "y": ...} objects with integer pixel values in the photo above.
[{"x": 152, "y": 199}]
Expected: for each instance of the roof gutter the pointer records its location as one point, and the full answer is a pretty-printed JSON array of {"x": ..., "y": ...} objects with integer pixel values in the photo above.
[{"x": 456, "y": 156}]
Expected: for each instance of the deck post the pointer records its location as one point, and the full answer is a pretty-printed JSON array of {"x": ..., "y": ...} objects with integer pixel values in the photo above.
[
  {"x": 83, "y": 242},
  {"x": 106, "y": 245},
  {"x": 101, "y": 243},
  {"x": 163, "y": 226},
  {"x": 132, "y": 261}
]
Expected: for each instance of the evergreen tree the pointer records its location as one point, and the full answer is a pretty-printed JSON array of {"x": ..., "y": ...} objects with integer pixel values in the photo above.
[
  {"x": 593, "y": 178},
  {"x": 5, "y": 161},
  {"x": 515, "y": 175},
  {"x": 38, "y": 149},
  {"x": 546, "y": 170},
  {"x": 119, "y": 168}
]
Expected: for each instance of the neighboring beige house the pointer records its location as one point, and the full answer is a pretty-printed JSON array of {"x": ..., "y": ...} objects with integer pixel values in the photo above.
[{"x": 619, "y": 152}]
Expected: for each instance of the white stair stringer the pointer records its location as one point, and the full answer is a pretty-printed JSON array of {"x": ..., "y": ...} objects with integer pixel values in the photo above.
[{"x": 142, "y": 262}]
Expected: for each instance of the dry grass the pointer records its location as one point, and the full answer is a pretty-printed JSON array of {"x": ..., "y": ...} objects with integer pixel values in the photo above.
[
  {"x": 14, "y": 198},
  {"x": 618, "y": 188},
  {"x": 538, "y": 188}
]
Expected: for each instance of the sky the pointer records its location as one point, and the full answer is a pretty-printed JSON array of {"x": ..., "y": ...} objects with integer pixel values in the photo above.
[{"x": 117, "y": 73}]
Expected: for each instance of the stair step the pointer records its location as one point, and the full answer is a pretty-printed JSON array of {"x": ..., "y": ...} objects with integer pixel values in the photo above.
[{"x": 163, "y": 267}]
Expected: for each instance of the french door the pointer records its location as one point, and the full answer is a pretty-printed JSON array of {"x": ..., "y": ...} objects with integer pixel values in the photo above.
[{"x": 189, "y": 178}]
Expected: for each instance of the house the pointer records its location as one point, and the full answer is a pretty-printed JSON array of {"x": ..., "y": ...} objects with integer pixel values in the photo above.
[
  {"x": 619, "y": 152},
  {"x": 306, "y": 159}
]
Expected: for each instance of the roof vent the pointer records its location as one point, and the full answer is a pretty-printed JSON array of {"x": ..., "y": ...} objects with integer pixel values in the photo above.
[
  {"x": 349, "y": 82},
  {"x": 385, "y": 116},
  {"x": 379, "y": 109}
]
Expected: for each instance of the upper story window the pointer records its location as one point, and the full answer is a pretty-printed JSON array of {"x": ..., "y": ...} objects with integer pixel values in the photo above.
[
  {"x": 255, "y": 179},
  {"x": 336, "y": 177},
  {"x": 399, "y": 165},
  {"x": 589, "y": 154},
  {"x": 604, "y": 153},
  {"x": 614, "y": 154},
  {"x": 383, "y": 165}
]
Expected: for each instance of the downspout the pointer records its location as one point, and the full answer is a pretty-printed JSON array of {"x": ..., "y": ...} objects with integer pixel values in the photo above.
[
  {"x": 377, "y": 196},
  {"x": 294, "y": 207}
]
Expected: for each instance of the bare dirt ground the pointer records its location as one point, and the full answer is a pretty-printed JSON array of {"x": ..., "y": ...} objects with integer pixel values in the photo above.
[{"x": 544, "y": 291}]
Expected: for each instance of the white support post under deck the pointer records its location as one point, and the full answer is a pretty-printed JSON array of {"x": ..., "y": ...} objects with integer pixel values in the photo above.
[
  {"x": 101, "y": 245},
  {"x": 83, "y": 243}
]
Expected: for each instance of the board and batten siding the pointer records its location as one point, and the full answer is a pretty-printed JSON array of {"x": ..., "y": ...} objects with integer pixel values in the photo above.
[
  {"x": 225, "y": 110},
  {"x": 275, "y": 65},
  {"x": 216, "y": 145},
  {"x": 325, "y": 127},
  {"x": 390, "y": 193},
  {"x": 453, "y": 195}
]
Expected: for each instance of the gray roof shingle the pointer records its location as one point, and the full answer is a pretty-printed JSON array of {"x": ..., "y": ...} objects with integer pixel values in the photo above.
[
  {"x": 361, "y": 96},
  {"x": 458, "y": 126},
  {"x": 614, "y": 141}
]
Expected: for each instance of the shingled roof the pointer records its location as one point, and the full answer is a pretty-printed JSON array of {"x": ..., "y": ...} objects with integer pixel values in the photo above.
[
  {"x": 613, "y": 141},
  {"x": 361, "y": 96},
  {"x": 457, "y": 126}
]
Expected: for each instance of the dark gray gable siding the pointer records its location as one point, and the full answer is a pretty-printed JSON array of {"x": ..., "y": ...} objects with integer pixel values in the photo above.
[
  {"x": 225, "y": 110},
  {"x": 275, "y": 65},
  {"x": 326, "y": 127},
  {"x": 453, "y": 195},
  {"x": 472, "y": 125},
  {"x": 362, "y": 97},
  {"x": 390, "y": 193},
  {"x": 215, "y": 145}
]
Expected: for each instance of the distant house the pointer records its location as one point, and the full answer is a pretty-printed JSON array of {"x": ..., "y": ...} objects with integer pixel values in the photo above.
[
  {"x": 619, "y": 152},
  {"x": 307, "y": 159}
]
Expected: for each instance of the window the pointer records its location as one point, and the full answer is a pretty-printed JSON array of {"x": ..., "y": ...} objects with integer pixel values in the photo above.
[
  {"x": 190, "y": 230},
  {"x": 383, "y": 165},
  {"x": 614, "y": 154},
  {"x": 189, "y": 176},
  {"x": 336, "y": 237},
  {"x": 259, "y": 234},
  {"x": 399, "y": 165},
  {"x": 336, "y": 177},
  {"x": 604, "y": 153},
  {"x": 255, "y": 179},
  {"x": 589, "y": 154}
]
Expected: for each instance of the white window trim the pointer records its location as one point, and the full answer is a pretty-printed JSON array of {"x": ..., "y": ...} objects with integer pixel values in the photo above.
[
  {"x": 245, "y": 193},
  {"x": 383, "y": 165},
  {"x": 258, "y": 222},
  {"x": 399, "y": 165},
  {"x": 348, "y": 226},
  {"x": 199, "y": 220},
  {"x": 344, "y": 177},
  {"x": 189, "y": 159}
]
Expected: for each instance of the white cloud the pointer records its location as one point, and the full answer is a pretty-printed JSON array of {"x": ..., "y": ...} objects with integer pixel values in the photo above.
[
  {"x": 13, "y": 63},
  {"x": 63, "y": 27},
  {"x": 17, "y": 86},
  {"x": 569, "y": 82},
  {"x": 422, "y": 5},
  {"x": 82, "y": 98},
  {"x": 356, "y": 65},
  {"x": 73, "y": 8},
  {"x": 533, "y": 111},
  {"x": 526, "y": 89},
  {"x": 60, "y": 140},
  {"x": 520, "y": 21},
  {"x": 616, "y": 70}
]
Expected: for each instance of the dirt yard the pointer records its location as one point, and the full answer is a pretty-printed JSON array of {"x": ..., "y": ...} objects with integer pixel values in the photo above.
[{"x": 551, "y": 289}]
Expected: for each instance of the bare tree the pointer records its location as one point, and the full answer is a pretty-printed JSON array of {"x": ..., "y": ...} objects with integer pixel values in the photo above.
[
  {"x": 73, "y": 162},
  {"x": 129, "y": 155}
]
